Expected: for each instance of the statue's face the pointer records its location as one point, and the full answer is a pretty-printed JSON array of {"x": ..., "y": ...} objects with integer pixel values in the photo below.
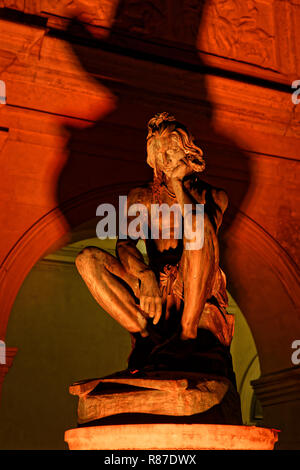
[{"x": 168, "y": 152}]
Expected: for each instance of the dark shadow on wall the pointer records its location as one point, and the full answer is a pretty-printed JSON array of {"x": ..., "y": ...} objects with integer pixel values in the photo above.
[{"x": 113, "y": 149}]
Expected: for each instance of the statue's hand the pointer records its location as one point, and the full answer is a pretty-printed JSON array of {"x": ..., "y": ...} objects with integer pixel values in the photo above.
[
  {"x": 150, "y": 297},
  {"x": 184, "y": 168}
]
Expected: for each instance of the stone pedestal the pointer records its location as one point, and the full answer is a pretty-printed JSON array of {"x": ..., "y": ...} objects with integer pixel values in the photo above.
[
  {"x": 171, "y": 437},
  {"x": 163, "y": 410}
]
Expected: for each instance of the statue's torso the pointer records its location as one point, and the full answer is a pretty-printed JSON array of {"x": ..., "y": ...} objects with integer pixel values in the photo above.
[
  {"x": 166, "y": 256},
  {"x": 201, "y": 192}
]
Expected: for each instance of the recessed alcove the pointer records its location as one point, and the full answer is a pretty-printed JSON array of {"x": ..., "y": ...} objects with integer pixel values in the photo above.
[{"x": 64, "y": 336}]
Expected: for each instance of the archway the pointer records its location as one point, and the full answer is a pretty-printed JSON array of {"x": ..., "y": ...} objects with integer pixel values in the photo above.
[
  {"x": 71, "y": 338},
  {"x": 250, "y": 257}
]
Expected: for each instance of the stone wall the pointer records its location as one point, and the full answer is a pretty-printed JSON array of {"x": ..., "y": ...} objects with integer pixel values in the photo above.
[{"x": 72, "y": 135}]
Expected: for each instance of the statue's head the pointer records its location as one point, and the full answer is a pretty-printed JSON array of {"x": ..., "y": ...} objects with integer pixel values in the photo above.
[{"x": 169, "y": 141}]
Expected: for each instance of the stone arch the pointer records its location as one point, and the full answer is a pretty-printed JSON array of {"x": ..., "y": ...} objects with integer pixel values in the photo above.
[
  {"x": 249, "y": 253},
  {"x": 47, "y": 234},
  {"x": 265, "y": 284}
]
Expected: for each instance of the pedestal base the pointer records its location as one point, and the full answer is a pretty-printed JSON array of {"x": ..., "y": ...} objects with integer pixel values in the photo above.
[{"x": 171, "y": 437}]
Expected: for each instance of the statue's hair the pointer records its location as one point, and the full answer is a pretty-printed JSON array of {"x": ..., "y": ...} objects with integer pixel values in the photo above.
[{"x": 164, "y": 123}]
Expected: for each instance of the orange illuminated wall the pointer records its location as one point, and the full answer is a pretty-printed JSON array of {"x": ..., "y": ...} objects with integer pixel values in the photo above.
[{"x": 79, "y": 93}]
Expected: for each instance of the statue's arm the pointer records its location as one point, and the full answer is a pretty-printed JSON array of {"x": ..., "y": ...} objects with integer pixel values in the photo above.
[
  {"x": 200, "y": 265},
  {"x": 127, "y": 251},
  {"x": 133, "y": 262},
  {"x": 215, "y": 203}
]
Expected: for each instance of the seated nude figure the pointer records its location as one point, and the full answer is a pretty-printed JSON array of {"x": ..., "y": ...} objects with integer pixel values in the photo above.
[{"x": 175, "y": 306}]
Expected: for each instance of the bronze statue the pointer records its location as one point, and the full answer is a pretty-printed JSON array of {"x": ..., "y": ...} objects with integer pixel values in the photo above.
[{"x": 175, "y": 306}]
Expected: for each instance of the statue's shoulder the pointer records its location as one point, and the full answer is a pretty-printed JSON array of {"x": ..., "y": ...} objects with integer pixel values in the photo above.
[
  {"x": 206, "y": 193},
  {"x": 220, "y": 197}
]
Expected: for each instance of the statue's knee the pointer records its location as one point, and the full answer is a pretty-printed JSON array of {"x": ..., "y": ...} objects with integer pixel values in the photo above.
[{"x": 89, "y": 255}]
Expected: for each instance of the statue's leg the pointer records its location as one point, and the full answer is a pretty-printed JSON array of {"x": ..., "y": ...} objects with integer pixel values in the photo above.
[
  {"x": 198, "y": 270},
  {"x": 103, "y": 275}
]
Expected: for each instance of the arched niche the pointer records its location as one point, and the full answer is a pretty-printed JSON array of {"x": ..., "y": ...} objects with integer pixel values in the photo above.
[
  {"x": 261, "y": 278},
  {"x": 64, "y": 336}
]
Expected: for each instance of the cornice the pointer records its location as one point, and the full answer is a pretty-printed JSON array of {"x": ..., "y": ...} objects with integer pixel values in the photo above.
[{"x": 263, "y": 49}]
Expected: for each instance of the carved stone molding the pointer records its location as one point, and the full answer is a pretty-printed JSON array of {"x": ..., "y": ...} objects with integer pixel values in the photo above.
[
  {"x": 244, "y": 31},
  {"x": 278, "y": 387},
  {"x": 90, "y": 11},
  {"x": 32, "y": 58},
  {"x": 254, "y": 37}
]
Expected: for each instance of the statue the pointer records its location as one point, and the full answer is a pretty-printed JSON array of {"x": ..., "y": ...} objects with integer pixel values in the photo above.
[{"x": 174, "y": 307}]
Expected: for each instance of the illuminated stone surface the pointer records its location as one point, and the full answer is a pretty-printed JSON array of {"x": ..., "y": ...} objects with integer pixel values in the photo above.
[
  {"x": 171, "y": 436},
  {"x": 250, "y": 129}
]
